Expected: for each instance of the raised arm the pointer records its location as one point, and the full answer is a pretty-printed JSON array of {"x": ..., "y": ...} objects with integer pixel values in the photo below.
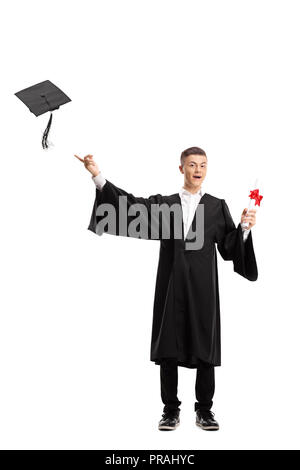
[{"x": 117, "y": 211}]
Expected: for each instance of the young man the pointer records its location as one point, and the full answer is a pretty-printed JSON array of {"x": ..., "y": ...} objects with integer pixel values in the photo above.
[{"x": 186, "y": 313}]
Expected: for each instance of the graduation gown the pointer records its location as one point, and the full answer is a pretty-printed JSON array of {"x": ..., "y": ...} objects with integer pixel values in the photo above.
[{"x": 186, "y": 309}]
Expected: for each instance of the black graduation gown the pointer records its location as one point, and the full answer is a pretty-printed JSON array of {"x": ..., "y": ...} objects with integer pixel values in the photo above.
[{"x": 186, "y": 310}]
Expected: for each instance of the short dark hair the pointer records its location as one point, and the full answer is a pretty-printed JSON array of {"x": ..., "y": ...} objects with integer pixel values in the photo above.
[{"x": 191, "y": 151}]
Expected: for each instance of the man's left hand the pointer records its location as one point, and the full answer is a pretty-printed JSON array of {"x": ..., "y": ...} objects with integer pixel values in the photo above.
[{"x": 250, "y": 217}]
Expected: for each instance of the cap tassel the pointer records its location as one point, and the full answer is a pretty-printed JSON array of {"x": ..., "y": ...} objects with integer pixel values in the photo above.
[{"x": 46, "y": 132}]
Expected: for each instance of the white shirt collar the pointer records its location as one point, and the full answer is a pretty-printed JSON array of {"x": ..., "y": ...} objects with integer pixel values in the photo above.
[{"x": 183, "y": 191}]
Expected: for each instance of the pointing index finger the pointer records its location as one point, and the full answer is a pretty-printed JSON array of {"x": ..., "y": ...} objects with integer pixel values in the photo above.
[{"x": 79, "y": 158}]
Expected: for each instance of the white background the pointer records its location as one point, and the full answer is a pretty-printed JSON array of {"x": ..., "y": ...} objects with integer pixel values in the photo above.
[{"x": 147, "y": 79}]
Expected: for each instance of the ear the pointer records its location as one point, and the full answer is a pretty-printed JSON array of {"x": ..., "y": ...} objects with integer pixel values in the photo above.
[{"x": 181, "y": 169}]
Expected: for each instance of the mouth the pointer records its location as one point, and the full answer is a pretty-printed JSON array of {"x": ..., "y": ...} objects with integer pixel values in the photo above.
[{"x": 197, "y": 177}]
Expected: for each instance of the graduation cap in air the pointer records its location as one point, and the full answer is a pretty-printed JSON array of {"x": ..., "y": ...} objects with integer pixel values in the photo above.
[{"x": 40, "y": 99}]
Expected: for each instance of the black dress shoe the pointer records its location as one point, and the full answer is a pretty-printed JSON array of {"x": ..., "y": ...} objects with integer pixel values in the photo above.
[
  {"x": 205, "y": 419},
  {"x": 170, "y": 420}
]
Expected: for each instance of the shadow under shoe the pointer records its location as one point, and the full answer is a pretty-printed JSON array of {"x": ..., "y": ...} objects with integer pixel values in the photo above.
[
  {"x": 206, "y": 421},
  {"x": 170, "y": 420}
]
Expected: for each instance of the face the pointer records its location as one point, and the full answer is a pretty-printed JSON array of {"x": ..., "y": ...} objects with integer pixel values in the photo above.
[{"x": 194, "y": 170}]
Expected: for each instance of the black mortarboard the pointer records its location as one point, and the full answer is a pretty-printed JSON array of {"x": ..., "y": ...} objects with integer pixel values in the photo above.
[{"x": 40, "y": 99}]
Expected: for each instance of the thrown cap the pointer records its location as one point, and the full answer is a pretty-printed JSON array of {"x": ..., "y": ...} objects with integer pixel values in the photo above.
[{"x": 40, "y": 99}]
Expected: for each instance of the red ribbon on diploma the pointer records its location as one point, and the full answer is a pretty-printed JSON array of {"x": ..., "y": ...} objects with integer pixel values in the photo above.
[{"x": 255, "y": 195}]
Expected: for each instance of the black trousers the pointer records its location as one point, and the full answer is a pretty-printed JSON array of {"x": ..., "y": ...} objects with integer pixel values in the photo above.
[{"x": 204, "y": 386}]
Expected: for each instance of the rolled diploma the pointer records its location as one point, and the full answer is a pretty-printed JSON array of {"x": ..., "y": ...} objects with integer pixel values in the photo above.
[{"x": 250, "y": 206}]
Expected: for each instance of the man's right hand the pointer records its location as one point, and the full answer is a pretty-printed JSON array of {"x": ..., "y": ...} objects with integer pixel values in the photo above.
[{"x": 89, "y": 164}]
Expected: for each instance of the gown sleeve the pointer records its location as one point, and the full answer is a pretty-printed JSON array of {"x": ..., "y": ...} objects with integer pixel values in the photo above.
[
  {"x": 232, "y": 247},
  {"x": 107, "y": 200}
]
